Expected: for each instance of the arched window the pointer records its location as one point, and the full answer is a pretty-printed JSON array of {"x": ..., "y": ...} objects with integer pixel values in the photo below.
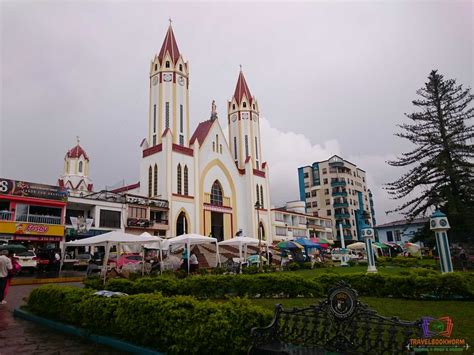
[
  {"x": 244, "y": 105},
  {"x": 261, "y": 196},
  {"x": 67, "y": 167},
  {"x": 179, "y": 179},
  {"x": 155, "y": 181},
  {"x": 258, "y": 196},
  {"x": 156, "y": 66},
  {"x": 150, "y": 181},
  {"x": 181, "y": 67},
  {"x": 216, "y": 194},
  {"x": 80, "y": 166},
  {"x": 186, "y": 180},
  {"x": 167, "y": 64},
  {"x": 233, "y": 106}
]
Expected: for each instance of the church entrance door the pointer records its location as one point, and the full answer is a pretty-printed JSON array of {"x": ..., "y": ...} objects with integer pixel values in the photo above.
[
  {"x": 181, "y": 224},
  {"x": 217, "y": 225}
]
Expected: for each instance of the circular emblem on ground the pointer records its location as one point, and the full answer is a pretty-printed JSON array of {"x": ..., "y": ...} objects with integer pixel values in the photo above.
[{"x": 342, "y": 302}]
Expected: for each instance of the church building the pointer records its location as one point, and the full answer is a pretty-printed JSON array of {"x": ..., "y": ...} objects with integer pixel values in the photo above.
[{"x": 213, "y": 186}]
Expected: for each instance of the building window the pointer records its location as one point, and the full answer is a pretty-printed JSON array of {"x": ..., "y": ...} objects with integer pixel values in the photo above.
[
  {"x": 220, "y": 148},
  {"x": 280, "y": 231},
  {"x": 256, "y": 148},
  {"x": 261, "y": 196},
  {"x": 167, "y": 64},
  {"x": 325, "y": 181},
  {"x": 313, "y": 193},
  {"x": 398, "y": 236},
  {"x": 154, "y": 118},
  {"x": 109, "y": 219},
  {"x": 235, "y": 148},
  {"x": 233, "y": 106},
  {"x": 328, "y": 213},
  {"x": 326, "y": 191},
  {"x": 328, "y": 202},
  {"x": 258, "y": 165},
  {"x": 389, "y": 236},
  {"x": 315, "y": 204},
  {"x": 154, "y": 139},
  {"x": 156, "y": 66},
  {"x": 167, "y": 115},
  {"x": 325, "y": 171},
  {"x": 150, "y": 181},
  {"x": 181, "y": 139},
  {"x": 80, "y": 166},
  {"x": 246, "y": 146},
  {"x": 155, "y": 181},
  {"x": 137, "y": 212},
  {"x": 186, "y": 180},
  {"x": 179, "y": 179},
  {"x": 216, "y": 194},
  {"x": 244, "y": 105},
  {"x": 306, "y": 175},
  {"x": 181, "y": 118},
  {"x": 213, "y": 146},
  {"x": 258, "y": 194},
  {"x": 181, "y": 67}
]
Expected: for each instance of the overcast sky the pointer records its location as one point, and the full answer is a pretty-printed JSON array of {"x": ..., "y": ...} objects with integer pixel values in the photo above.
[{"x": 331, "y": 78}]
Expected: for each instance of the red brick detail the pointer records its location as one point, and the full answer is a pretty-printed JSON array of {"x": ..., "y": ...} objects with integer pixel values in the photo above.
[
  {"x": 183, "y": 150},
  {"x": 152, "y": 150}
]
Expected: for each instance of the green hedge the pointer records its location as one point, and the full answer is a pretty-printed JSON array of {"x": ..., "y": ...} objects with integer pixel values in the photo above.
[
  {"x": 218, "y": 286},
  {"x": 427, "y": 262},
  {"x": 176, "y": 325},
  {"x": 414, "y": 283}
]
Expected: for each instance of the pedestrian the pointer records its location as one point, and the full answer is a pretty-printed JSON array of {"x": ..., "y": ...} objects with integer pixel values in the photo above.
[
  {"x": 193, "y": 262},
  {"x": 184, "y": 259},
  {"x": 5, "y": 267},
  {"x": 57, "y": 259},
  {"x": 463, "y": 258},
  {"x": 16, "y": 268}
]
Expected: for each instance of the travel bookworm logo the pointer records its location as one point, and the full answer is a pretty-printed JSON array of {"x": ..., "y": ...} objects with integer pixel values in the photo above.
[{"x": 437, "y": 337}]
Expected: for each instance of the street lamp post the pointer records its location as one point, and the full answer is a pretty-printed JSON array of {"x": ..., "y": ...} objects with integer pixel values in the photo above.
[
  {"x": 440, "y": 225},
  {"x": 260, "y": 262}
]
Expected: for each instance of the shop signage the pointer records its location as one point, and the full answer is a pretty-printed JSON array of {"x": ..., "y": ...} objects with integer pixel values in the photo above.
[
  {"x": 31, "y": 229},
  {"x": 29, "y": 189},
  {"x": 222, "y": 209},
  {"x": 37, "y": 238}
]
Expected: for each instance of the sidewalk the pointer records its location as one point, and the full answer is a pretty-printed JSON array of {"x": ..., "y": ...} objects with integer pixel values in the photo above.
[{"x": 19, "y": 336}]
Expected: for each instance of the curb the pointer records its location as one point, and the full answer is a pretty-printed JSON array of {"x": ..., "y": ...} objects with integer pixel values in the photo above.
[
  {"x": 22, "y": 282},
  {"x": 100, "y": 339}
]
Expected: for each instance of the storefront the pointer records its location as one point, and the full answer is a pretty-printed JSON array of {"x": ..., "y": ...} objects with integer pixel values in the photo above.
[{"x": 32, "y": 214}]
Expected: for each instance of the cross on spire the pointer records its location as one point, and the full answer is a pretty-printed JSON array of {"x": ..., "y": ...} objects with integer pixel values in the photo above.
[
  {"x": 170, "y": 20},
  {"x": 78, "y": 140}
]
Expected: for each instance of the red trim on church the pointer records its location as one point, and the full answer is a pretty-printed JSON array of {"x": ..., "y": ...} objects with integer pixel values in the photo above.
[
  {"x": 242, "y": 90},
  {"x": 127, "y": 188},
  {"x": 259, "y": 173},
  {"x": 170, "y": 46},
  {"x": 201, "y": 132},
  {"x": 184, "y": 196},
  {"x": 152, "y": 150},
  {"x": 183, "y": 150}
]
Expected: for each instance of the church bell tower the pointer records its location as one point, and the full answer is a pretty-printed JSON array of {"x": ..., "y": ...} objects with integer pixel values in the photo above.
[{"x": 169, "y": 94}]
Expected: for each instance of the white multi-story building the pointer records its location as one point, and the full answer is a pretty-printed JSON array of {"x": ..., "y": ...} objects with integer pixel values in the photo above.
[
  {"x": 292, "y": 222},
  {"x": 337, "y": 189},
  {"x": 211, "y": 185}
]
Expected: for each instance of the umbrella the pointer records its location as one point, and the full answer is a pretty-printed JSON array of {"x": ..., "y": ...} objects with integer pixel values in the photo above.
[
  {"x": 413, "y": 248},
  {"x": 255, "y": 259},
  {"x": 288, "y": 245},
  {"x": 307, "y": 243},
  {"x": 358, "y": 245},
  {"x": 381, "y": 245},
  {"x": 321, "y": 243},
  {"x": 14, "y": 248}
]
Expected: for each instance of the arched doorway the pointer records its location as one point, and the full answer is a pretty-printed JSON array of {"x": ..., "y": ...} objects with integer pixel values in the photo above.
[
  {"x": 217, "y": 218},
  {"x": 262, "y": 231},
  {"x": 181, "y": 224}
]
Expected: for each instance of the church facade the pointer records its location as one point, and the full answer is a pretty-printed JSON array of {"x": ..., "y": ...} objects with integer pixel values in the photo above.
[{"x": 214, "y": 187}]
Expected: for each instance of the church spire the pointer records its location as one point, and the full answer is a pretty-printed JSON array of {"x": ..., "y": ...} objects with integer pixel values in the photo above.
[
  {"x": 242, "y": 89},
  {"x": 169, "y": 46}
]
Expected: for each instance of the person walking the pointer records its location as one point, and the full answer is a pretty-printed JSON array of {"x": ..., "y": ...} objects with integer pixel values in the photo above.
[
  {"x": 193, "y": 262},
  {"x": 16, "y": 268},
  {"x": 5, "y": 267}
]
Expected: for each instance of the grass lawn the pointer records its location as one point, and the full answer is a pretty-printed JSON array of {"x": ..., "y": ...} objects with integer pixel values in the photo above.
[{"x": 461, "y": 312}]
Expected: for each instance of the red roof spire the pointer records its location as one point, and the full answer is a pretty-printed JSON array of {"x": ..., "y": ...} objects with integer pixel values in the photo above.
[
  {"x": 77, "y": 151},
  {"x": 242, "y": 88},
  {"x": 170, "y": 46}
]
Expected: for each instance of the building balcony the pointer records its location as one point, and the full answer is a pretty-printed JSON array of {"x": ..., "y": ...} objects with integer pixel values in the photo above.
[
  {"x": 342, "y": 215},
  {"x": 38, "y": 219},
  {"x": 344, "y": 225},
  {"x": 338, "y": 183},
  {"x": 5, "y": 216},
  {"x": 340, "y": 204},
  {"x": 339, "y": 193}
]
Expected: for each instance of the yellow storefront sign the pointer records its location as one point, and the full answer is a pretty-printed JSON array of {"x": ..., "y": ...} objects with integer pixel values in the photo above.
[{"x": 20, "y": 228}]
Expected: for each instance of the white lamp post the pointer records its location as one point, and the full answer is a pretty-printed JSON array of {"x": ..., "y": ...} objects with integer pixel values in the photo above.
[
  {"x": 368, "y": 235},
  {"x": 440, "y": 225},
  {"x": 343, "y": 247},
  {"x": 260, "y": 262}
]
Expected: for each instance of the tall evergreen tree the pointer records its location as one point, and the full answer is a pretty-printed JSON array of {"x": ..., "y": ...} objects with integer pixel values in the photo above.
[{"x": 441, "y": 164}]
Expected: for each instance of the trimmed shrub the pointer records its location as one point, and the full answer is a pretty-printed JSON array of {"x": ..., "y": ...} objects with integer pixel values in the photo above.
[{"x": 176, "y": 325}]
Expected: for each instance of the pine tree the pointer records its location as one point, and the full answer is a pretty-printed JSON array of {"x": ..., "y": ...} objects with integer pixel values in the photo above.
[{"x": 441, "y": 164}]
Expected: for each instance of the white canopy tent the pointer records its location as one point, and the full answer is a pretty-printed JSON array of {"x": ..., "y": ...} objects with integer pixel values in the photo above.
[
  {"x": 188, "y": 240},
  {"x": 112, "y": 238},
  {"x": 242, "y": 243}
]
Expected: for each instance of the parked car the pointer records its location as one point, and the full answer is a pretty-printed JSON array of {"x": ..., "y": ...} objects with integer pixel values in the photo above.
[
  {"x": 82, "y": 261},
  {"x": 27, "y": 260},
  {"x": 129, "y": 261}
]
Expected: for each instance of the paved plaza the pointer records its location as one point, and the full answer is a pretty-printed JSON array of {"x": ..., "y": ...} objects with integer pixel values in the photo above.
[{"x": 18, "y": 336}]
